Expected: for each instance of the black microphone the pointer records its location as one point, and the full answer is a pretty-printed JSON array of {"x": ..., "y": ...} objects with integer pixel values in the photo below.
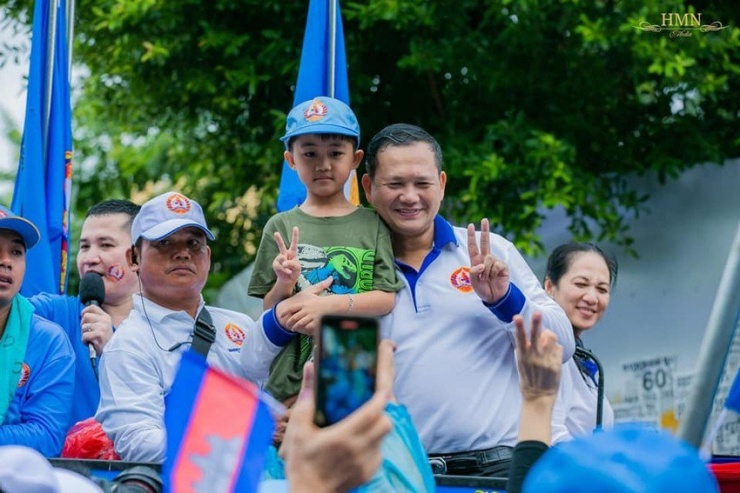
[{"x": 92, "y": 292}]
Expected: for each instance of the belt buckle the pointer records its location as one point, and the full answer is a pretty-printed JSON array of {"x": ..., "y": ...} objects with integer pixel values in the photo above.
[
  {"x": 495, "y": 454},
  {"x": 438, "y": 464}
]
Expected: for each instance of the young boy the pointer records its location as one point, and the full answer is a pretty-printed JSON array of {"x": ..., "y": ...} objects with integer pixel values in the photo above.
[{"x": 338, "y": 240}]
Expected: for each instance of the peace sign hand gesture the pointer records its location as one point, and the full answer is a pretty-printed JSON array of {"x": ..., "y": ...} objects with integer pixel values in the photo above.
[
  {"x": 489, "y": 276},
  {"x": 286, "y": 265},
  {"x": 539, "y": 359}
]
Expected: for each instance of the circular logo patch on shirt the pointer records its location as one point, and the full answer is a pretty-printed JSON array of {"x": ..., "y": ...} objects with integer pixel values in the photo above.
[
  {"x": 178, "y": 203},
  {"x": 460, "y": 279},
  {"x": 25, "y": 375},
  {"x": 235, "y": 334}
]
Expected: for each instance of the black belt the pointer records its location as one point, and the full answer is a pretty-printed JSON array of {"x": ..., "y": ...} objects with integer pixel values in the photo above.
[{"x": 446, "y": 463}]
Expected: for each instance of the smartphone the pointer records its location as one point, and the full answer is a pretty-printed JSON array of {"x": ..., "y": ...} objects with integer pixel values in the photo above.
[{"x": 346, "y": 360}]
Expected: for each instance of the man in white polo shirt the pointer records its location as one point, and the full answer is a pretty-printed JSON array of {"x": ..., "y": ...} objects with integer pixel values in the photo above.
[
  {"x": 172, "y": 258},
  {"x": 455, "y": 365}
]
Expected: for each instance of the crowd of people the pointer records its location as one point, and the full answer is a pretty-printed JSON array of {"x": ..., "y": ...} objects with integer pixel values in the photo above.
[{"x": 481, "y": 367}]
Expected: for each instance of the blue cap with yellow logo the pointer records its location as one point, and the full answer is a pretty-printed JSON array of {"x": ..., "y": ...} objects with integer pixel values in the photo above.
[{"x": 321, "y": 115}]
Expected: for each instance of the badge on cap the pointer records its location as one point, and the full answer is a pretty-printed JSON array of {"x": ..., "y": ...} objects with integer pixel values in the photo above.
[
  {"x": 179, "y": 204},
  {"x": 316, "y": 111}
]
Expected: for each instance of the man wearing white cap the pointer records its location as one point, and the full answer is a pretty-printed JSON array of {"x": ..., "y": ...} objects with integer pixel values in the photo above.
[
  {"x": 172, "y": 258},
  {"x": 36, "y": 359}
]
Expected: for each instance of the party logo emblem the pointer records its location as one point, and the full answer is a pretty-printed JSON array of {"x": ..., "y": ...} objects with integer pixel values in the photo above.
[
  {"x": 460, "y": 280},
  {"x": 178, "y": 203},
  {"x": 316, "y": 111},
  {"x": 235, "y": 334},
  {"x": 116, "y": 272},
  {"x": 25, "y": 375}
]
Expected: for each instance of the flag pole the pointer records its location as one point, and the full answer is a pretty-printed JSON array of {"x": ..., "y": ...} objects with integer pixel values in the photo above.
[
  {"x": 714, "y": 348},
  {"x": 331, "y": 76},
  {"x": 51, "y": 46},
  {"x": 71, "y": 4},
  {"x": 44, "y": 175}
]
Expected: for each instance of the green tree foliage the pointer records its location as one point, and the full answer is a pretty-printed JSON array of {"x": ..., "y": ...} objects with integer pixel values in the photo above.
[{"x": 537, "y": 104}]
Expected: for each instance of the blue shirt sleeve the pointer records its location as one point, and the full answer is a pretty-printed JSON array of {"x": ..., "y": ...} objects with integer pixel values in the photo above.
[
  {"x": 509, "y": 305},
  {"x": 65, "y": 311},
  {"x": 40, "y": 412},
  {"x": 276, "y": 333},
  {"x": 43, "y": 304}
]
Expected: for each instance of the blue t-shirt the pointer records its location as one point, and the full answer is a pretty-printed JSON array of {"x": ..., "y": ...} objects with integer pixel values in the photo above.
[
  {"x": 66, "y": 311},
  {"x": 38, "y": 416}
]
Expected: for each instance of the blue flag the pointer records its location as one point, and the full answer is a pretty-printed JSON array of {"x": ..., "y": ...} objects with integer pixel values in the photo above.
[
  {"x": 218, "y": 430},
  {"x": 313, "y": 80},
  {"x": 44, "y": 180}
]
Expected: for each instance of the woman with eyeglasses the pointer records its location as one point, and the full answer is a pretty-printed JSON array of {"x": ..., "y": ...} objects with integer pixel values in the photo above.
[{"x": 580, "y": 278}]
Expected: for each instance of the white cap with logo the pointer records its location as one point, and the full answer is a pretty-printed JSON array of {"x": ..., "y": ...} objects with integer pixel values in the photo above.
[{"x": 167, "y": 214}]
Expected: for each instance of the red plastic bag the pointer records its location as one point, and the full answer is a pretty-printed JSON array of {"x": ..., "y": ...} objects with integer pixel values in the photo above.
[{"x": 87, "y": 440}]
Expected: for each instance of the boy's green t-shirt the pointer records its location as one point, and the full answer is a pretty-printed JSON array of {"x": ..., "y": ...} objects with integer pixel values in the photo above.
[{"x": 354, "y": 249}]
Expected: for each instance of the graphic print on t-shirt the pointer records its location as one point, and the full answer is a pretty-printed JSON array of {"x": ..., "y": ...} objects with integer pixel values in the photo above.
[{"x": 351, "y": 268}]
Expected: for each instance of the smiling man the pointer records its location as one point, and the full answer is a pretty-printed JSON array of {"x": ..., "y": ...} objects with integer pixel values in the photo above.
[
  {"x": 105, "y": 240},
  {"x": 453, "y": 324},
  {"x": 172, "y": 258},
  {"x": 36, "y": 359}
]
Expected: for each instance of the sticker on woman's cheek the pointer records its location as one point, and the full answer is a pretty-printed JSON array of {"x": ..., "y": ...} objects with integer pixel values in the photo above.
[{"x": 116, "y": 272}]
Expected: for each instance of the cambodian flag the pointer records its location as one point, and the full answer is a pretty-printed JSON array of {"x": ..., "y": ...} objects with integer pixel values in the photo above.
[
  {"x": 44, "y": 180},
  {"x": 218, "y": 431},
  {"x": 314, "y": 75}
]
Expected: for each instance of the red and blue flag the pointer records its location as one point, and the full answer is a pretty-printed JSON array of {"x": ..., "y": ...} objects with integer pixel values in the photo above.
[{"x": 218, "y": 430}]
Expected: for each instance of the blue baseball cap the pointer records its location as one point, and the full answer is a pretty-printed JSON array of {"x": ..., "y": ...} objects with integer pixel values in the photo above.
[
  {"x": 167, "y": 214},
  {"x": 626, "y": 459},
  {"x": 28, "y": 232},
  {"x": 321, "y": 115}
]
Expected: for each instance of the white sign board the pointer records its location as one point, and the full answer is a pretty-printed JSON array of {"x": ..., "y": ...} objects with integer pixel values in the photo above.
[{"x": 655, "y": 394}]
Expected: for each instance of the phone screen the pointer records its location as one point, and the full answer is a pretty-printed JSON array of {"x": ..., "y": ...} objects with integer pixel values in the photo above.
[{"x": 345, "y": 372}]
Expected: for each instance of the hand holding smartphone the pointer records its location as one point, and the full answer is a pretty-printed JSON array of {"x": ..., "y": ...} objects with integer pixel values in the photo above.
[{"x": 346, "y": 364}]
